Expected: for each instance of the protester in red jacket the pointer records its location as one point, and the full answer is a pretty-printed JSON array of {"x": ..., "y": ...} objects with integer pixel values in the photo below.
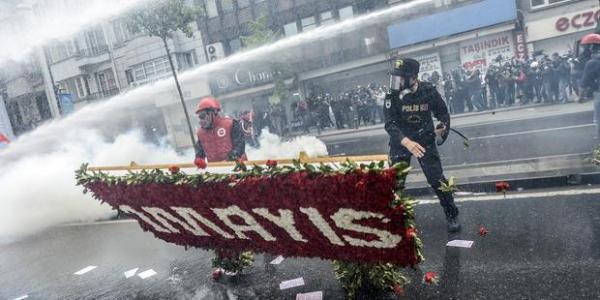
[{"x": 219, "y": 138}]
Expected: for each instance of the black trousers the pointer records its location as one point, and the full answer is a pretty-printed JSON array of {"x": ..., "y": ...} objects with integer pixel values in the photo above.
[{"x": 432, "y": 168}]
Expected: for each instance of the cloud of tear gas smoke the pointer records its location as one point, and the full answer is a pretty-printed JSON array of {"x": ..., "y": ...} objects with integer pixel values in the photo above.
[
  {"x": 38, "y": 191},
  {"x": 272, "y": 147},
  {"x": 36, "y": 176},
  {"x": 26, "y": 31}
]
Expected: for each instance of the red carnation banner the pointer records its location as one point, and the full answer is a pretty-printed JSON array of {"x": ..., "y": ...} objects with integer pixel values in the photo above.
[{"x": 332, "y": 216}]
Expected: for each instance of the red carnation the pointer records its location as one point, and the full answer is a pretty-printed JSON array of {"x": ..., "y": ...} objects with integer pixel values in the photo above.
[
  {"x": 410, "y": 233},
  {"x": 174, "y": 169},
  {"x": 398, "y": 289},
  {"x": 430, "y": 277},
  {"x": 502, "y": 186},
  {"x": 217, "y": 273},
  {"x": 360, "y": 185},
  {"x": 399, "y": 207},
  {"x": 271, "y": 163},
  {"x": 482, "y": 231}
]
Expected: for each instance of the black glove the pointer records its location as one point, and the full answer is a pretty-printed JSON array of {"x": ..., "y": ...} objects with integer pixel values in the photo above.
[{"x": 441, "y": 139}]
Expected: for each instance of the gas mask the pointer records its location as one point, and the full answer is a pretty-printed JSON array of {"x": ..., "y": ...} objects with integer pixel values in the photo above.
[
  {"x": 206, "y": 118},
  {"x": 401, "y": 84}
]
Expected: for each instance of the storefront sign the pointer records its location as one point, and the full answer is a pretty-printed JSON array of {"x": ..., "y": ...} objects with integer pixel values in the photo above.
[
  {"x": 563, "y": 24},
  {"x": 520, "y": 44},
  {"x": 243, "y": 78},
  {"x": 430, "y": 63},
  {"x": 480, "y": 53}
]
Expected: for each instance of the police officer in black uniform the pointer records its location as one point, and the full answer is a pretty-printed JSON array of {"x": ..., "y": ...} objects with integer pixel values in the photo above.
[{"x": 407, "y": 109}]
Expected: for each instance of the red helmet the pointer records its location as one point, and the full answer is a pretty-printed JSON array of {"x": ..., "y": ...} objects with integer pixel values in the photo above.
[
  {"x": 208, "y": 103},
  {"x": 592, "y": 38}
]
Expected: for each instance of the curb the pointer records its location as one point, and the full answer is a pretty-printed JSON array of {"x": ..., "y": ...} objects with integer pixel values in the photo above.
[
  {"x": 459, "y": 116},
  {"x": 576, "y": 179}
]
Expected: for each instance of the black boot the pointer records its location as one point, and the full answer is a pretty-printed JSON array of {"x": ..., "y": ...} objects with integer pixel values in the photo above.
[
  {"x": 453, "y": 224},
  {"x": 450, "y": 210}
]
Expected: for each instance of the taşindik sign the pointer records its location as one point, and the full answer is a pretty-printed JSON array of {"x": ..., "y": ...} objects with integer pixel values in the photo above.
[
  {"x": 352, "y": 216},
  {"x": 429, "y": 63},
  {"x": 480, "y": 53}
]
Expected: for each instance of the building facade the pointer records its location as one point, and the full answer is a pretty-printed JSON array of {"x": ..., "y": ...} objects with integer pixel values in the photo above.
[
  {"x": 553, "y": 26},
  {"x": 442, "y": 34},
  {"x": 251, "y": 85},
  {"x": 103, "y": 61}
]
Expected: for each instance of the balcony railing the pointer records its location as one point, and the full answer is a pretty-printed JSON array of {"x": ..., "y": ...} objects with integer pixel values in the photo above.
[
  {"x": 152, "y": 79},
  {"x": 100, "y": 95},
  {"x": 91, "y": 52}
]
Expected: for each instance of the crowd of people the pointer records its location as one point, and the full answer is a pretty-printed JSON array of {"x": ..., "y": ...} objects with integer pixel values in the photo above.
[{"x": 548, "y": 79}]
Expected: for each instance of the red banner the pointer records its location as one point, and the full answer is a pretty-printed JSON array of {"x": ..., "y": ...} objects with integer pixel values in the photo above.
[{"x": 339, "y": 216}]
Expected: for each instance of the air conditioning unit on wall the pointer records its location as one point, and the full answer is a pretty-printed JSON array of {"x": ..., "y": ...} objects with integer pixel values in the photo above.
[{"x": 215, "y": 51}]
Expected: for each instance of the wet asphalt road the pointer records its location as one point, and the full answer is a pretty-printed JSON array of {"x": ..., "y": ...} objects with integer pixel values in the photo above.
[{"x": 540, "y": 246}]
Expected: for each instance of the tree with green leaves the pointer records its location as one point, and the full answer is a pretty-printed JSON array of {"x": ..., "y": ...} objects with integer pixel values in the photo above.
[
  {"x": 260, "y": 34},
  {"x": 162, "y": 18}
]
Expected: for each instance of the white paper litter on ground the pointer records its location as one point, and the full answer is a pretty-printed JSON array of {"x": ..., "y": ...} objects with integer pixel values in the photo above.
[
  {"x": 22, "y": 297},
  {"x": 460, "y": 243},
  {"x": 277, "y": 260},
  {"x": 291, "y": 283},
  {"x": 310, "y": 296},
  {"x": 147, "y": 274},
  {"x": 130, "y": 273},
  {"x": 85, "y": 270}
]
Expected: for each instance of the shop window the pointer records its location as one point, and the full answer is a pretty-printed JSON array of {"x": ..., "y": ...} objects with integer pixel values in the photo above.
[
  {"x": 151, "y": 69},
  {"x": 211, "y": 8},
  {"x": 285, "y": 4},
  {"x": 80, "y": 87},
  {"x": 346, "y": 13},
  {"x": 235, "y": 45},
  {"x": 227, "y": 5},
  {"x": 308, "y": 23},
  {"x": 243, "y": 3},
  {"x": 327, "y": 18},
  {"x": 121, "y": 32},
  {"x": 129, "y": 75},
  {"x": 290, "y": 29}
]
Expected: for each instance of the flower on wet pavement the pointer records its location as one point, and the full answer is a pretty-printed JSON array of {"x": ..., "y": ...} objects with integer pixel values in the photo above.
[
  {"x": 430, "y": 277},
  {"x": 217, "y": 273},
  {"x": 482, "y": 231},
  {"x": 502, "y": 186},
  {"x": 398, "y": 289}
]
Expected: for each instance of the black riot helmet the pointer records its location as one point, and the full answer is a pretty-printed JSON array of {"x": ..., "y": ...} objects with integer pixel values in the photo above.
[{"x": 402, "y": 70}]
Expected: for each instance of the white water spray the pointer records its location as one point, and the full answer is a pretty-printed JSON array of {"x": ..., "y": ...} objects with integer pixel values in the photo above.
[
  {"x": 22, "y": 35},
  {"x": 37, "y": 179}
]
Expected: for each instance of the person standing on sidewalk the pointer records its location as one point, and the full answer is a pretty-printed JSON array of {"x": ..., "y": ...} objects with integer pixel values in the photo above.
[
  {"x": 591, "y": 76},
  {"x": 408, "y": 113}
]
